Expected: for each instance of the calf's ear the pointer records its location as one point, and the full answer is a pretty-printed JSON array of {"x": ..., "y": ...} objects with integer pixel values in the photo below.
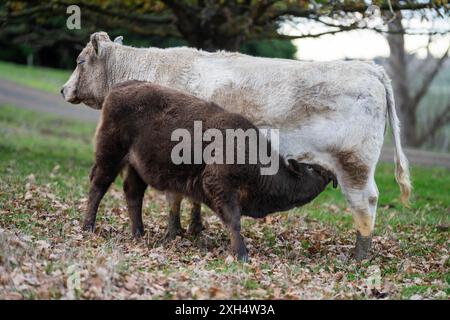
[{"x": 293, "y": 167}]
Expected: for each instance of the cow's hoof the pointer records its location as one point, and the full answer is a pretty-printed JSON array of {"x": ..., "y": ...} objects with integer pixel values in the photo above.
[
  {"x": 362, "y": 246},
  {"x": 195, "y": 228}
]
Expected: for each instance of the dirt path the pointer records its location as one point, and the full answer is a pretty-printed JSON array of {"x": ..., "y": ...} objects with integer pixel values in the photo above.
[
  {"x": 36, "y": 100},
  {"x": 420, "y": 157}
]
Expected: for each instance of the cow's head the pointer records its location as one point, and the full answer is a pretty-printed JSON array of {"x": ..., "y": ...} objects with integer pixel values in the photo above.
[{"x": 89, "y": 81}]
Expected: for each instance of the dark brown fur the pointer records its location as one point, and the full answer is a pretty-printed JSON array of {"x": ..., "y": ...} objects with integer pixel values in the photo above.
[{"x": 138, "y": 119}]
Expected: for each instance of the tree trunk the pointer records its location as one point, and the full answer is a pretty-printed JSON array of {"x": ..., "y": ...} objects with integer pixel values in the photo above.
[{"x": 398, "y": 66}]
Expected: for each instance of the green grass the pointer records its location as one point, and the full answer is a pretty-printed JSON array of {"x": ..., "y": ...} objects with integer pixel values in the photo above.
[
  {"x": 44, "y": 167},
  {"x": 46, "y": 79}
]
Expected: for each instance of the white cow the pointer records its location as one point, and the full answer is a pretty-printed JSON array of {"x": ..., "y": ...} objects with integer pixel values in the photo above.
[{"x": 330, "y": 113}]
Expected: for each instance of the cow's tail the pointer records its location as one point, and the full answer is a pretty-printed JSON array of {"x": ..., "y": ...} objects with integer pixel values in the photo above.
[{"x": 401, "y": 162}]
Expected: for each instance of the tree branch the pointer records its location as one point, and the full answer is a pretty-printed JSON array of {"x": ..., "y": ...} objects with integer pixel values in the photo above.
[
  {"x": 442, "y": 119},
  {"x": 349, "y": 28},
  {"x": 349, "y": 7},
  {"x": 428, "y": 80},
  {"x": 143, "y": 18}
]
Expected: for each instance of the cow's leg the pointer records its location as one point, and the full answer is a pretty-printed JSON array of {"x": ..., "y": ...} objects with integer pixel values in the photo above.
[
  {"x": 174, "y": 224},
  {"x": 195, "y": 226},
  {"x": 134, "y": 189},
  {"x": 363, "y": 203}
]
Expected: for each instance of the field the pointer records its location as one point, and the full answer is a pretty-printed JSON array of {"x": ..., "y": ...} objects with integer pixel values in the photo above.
[
  {"x": 46, "y": 79},
  {"x": 303, "y": 253}
]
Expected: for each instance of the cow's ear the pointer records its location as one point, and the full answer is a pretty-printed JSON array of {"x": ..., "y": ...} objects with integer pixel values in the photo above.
[
  {"x": 118, "y": 40},
  {"x": 95, "y": 43},
  {"x": 96, "y": 39}
]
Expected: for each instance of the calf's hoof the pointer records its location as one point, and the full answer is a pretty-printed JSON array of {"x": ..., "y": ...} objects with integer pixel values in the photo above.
[
  {"x": 362, "y": 246},
  {"x": 243, "y": 258},
  {"x": 88, "y": 226},
  {"x": 195, "y": 228},
  {"x": 242, "y": 254},
  {"x": 171, "y": 234},
  {"x": 138, "y": 233}
]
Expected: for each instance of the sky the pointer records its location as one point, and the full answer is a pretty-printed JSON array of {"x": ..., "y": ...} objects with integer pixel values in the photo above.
[
  {"x": 367, "y": 44},
  {"x": 362, "y": 44}
]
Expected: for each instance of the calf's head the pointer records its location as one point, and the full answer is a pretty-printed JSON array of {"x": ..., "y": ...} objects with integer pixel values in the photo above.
[
  {"x": 314, "y": 177},
  {"x": 89, "y": 81}
]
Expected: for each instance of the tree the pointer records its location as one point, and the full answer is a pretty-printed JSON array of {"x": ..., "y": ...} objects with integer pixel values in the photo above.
[
  {"x": 251, "y": 26},
  {"x": 408, "y": 95},
  {"x": 212, "y": 24}
]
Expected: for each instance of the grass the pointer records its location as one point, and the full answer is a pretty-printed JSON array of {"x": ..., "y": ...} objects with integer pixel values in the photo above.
[
  {"x": 46, "y": 79},
  {"x": 303, "y": 253}
]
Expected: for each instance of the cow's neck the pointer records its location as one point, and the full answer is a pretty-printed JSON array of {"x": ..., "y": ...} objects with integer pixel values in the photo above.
[{"x": 155, "y": 65}]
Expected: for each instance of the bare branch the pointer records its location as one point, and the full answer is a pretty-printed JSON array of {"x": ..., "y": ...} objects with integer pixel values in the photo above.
[
  {"x": 306, "y": 35},
  {"x": 348, "y": 7},
  {"x": 440, "y": 120},
  {"x": 429, "y": 79},
  {"x": 349, "y": 28}
]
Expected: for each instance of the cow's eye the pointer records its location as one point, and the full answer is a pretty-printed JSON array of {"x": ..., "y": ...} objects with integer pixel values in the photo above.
[
  {"x": 310, "y": 168},
  {"x": 80, "y": 62}
]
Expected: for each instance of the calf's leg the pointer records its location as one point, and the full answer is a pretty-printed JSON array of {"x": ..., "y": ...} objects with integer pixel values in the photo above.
[
  {"x": 231, "y": 217},
  {"x": 224, "y": 201},
  {"x": 134, "y": 188},
  {"x": 101, "y": 179},
  {"x": 109, "y": 155},
  {"x": 174, "y": 225},
  {"x": 195, "y": 226}
]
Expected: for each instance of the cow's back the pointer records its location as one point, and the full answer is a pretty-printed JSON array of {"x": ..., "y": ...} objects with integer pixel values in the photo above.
[{"x": 280, "y": 92}]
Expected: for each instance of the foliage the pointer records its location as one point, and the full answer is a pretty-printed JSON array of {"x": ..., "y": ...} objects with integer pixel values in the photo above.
[
  {"x": 303, "y": 253},
  {"x": 269, "y": 48},
  {"x": 38, "y": 27}
]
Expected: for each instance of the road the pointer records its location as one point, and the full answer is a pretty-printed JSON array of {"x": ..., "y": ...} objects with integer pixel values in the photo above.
[{"x": 36, "y": 100}]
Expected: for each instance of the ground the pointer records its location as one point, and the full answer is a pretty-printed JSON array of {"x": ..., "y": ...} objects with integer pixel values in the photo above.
[{"x": 302, "y": 253}]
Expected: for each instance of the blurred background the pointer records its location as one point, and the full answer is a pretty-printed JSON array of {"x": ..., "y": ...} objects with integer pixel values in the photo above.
[{"x": 410, "y": 39}]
